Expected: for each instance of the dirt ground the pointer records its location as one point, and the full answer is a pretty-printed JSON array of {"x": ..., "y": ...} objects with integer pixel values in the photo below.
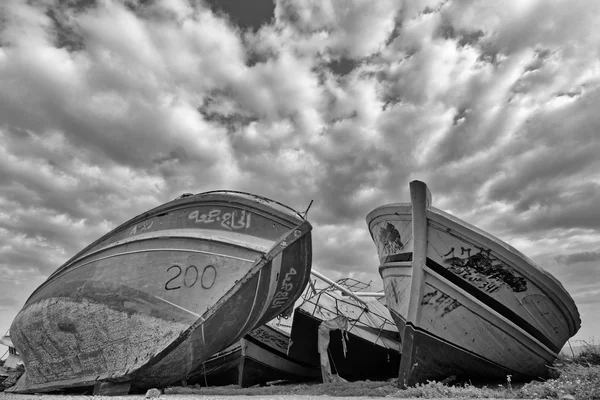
[{"x": 8, "y": 396}]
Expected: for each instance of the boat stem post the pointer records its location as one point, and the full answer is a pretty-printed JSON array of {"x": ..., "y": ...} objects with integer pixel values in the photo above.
[{"x": 420, "y": 199}]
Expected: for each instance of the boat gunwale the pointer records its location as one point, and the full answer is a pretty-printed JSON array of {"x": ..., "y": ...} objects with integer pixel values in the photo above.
[
  {"x": 171, "y": 206},
  {"x": 139, "y": 238},
  {"x": 463, "y": 230},
  {"x": 249, "y": 196}
]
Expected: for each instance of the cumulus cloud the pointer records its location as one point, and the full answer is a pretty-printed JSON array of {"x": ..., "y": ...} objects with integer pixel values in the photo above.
[
  {"x": 109, "y": 108},
  {"x": 575, "y": 258}
]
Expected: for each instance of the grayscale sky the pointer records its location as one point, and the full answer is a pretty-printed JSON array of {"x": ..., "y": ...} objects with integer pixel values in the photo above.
[{"x": 109, "y": 108}]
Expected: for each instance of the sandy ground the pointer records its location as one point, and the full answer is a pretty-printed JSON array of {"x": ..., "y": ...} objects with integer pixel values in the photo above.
[{"x": 7, "y": 396}]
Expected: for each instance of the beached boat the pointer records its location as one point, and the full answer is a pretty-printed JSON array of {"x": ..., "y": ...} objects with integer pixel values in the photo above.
[
  {"x": 466, "y": 303},
  {"x": 147, "y": 303},
  {"x": 259, "y": 358},
  {"x": 13, "y": 357},
  {"x": 361, "y": 338},
  {"x": 11, "y": 368}
]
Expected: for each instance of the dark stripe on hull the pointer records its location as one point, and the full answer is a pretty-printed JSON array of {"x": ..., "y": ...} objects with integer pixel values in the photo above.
[
  {"x": 427, "y": 357},
  {"x": 363, "y": 360},
  {"x": 397, "y": 258},
  {"x": 492, "y": 303}
]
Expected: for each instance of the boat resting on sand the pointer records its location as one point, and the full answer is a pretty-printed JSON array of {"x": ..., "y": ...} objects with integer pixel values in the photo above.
[
  {"x": 366, "y": 347},
  {"x": 147, "y": 303},
  {"x": 14, "y": 358},
  {"x": 466, "y": 303},
  {"x": 11, "y": 368},
  {"x": 259, "y": 357}
]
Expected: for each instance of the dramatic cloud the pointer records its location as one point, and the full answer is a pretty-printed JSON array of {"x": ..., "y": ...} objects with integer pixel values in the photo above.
[
  {"x": 586, "y": 256},
  {"x": 109, "y": 108}
]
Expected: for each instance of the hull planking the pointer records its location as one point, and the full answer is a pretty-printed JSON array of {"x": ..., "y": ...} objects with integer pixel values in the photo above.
[
  {"x": 260, "y": 357},
  {"x": 154, "y": 298},
  {"x": 465, "y": 303}
]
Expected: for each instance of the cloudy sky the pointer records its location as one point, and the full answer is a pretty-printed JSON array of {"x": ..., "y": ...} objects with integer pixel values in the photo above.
[{"x": 109, "y": 108}]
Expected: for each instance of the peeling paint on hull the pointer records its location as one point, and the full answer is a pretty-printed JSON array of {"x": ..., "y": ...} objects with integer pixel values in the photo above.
[
  {"x": 151, "y": 300},
  {"x": 466, "y": 303}
]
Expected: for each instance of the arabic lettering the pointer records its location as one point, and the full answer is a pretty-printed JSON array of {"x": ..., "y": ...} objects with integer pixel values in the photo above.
[
  {"x": 483, "y": 271},
  {"x": 230, "y": 220},
  {"x": 440, "y": 301},
  {"x": 284, "y": 290},
  {"x": 144, "y": 226}
]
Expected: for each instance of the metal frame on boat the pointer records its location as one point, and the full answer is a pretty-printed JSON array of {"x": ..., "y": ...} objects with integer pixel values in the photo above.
[
  {"x": 372, "y": 350},
  {"x": 466, "y": 303}
]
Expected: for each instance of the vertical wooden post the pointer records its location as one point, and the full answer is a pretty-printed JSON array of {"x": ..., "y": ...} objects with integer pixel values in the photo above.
[{"x": 421, "y": 199}]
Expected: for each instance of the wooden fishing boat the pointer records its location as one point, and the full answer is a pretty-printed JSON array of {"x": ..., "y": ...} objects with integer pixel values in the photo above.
[
  {"x": 466, "y": 303},
  {"x": 260, "y": 357},
  {"x": 11, "y": 368},
  {"x": 13, "y": 358},
  {"x": 147, "y": 303},
  {"x": 372, "y": 348}
]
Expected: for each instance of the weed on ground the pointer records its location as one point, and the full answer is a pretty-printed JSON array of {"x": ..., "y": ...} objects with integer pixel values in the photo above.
[{"x": 578, "y": 376}]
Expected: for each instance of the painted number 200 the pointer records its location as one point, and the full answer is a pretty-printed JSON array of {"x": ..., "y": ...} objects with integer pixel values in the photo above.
[{"x": 190, "y": 276}]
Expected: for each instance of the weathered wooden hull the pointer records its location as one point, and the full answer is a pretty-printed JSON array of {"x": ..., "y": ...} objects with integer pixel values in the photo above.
[
  {"x": 154, "y": 298},
  {"x": 466, "y": 303},
  {"x": 364, "y": 359},
  {"x": 258, "y": 358}
]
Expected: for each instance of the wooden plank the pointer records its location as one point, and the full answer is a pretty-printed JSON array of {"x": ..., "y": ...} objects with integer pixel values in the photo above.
[{"x": 421, "y": 199}]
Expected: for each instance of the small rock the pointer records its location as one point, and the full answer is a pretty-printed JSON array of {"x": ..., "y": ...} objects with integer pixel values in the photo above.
[
  {"x": 567, "y": 397},
  {"x": 152, "y": 393}
]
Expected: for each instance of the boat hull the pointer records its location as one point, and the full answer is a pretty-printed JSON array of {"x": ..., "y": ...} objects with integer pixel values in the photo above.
[
  {"x": 151, "y": 300},
  {"x": 466, "y": 303},
  {"x": 260, "y": 357}
]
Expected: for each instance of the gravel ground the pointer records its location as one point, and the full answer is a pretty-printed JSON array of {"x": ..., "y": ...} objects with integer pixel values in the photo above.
[{"x": 8, "y": 396}]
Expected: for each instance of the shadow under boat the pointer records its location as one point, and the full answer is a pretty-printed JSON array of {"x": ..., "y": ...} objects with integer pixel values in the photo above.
[
  {"x": 257, "y": 359},
  {"x": 466, "y": 303},
  {"x": 11, "y": 368},
  {"x": 147, "y": 303}
]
